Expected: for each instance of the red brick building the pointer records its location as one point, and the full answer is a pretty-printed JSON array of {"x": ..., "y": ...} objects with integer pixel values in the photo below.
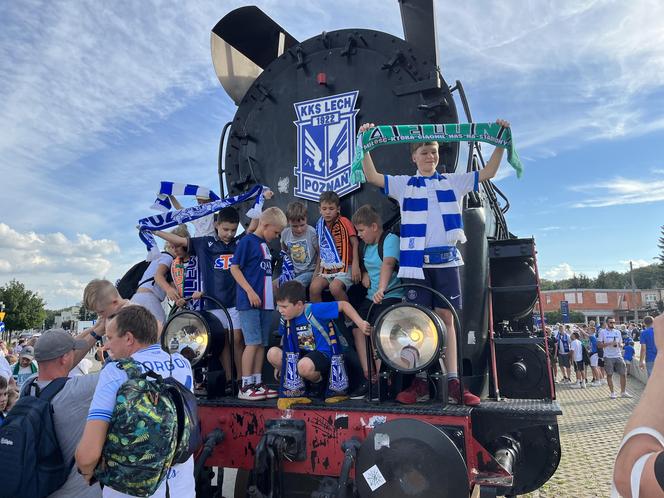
[{"x": 596, "y": 304}]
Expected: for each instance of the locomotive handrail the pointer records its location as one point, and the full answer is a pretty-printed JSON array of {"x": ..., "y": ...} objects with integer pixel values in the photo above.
[
  {"x": 230, "y": 326},
  {"x": 457, "y": 331},
  {"x": 221, "y": 171}
]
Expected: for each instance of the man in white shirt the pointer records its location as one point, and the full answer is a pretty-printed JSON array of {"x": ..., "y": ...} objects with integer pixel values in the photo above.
[{"x": 610, "y": 341}]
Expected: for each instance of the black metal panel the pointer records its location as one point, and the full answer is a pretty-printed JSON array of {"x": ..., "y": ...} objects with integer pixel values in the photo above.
[
  {"x": 253, "y": 33},
  {"x": 263, "y": 138},
  {"x": 418, "y": 18}
]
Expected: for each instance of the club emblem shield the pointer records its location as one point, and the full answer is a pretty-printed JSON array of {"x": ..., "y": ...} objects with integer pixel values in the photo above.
[{"x": 325, "y": 145}]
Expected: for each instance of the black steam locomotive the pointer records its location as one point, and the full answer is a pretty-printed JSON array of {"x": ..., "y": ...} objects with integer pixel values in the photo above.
[{"x": 299, "y": 105}]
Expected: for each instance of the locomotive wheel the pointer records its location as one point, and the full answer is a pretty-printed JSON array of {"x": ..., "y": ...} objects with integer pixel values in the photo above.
[{"x": 295, "y": 485}]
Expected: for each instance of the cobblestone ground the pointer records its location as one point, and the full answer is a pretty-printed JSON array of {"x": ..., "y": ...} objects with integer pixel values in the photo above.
[{"x": 591, "y": 429}]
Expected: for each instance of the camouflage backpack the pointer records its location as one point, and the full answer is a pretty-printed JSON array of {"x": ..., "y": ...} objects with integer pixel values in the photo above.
[{"x": 142, "y": 435}]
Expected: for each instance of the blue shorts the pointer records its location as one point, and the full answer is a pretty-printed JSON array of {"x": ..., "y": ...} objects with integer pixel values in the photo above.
[
  {"x": 444, "y": 280},
  {"x": 256, "y": 325}
]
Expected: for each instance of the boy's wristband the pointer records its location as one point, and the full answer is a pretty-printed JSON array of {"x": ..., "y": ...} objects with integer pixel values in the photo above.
[{"x": 95, "y": 336}]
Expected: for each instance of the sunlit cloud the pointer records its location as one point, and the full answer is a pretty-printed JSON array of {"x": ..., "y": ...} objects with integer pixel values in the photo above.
[{"x": 621, "y": 191}]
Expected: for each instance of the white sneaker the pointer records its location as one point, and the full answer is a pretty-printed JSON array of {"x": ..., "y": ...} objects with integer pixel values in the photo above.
[
  {"x": 584, "y": 385},
  {"x": 267, "y": 391},
  {"x": 625, "y": 394},
  {"x": 613, "y": 395},
  {"x": 596, "y": 383},
  {"x": 576, "y": 386},
  {"x": 250, "y": 393}
]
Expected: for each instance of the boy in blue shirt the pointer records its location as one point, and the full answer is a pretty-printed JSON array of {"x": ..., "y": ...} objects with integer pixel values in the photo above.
[
  {"x": 648, "y": 346},
  {"x": 308, "y": 321},
  {"x": 251, "y": 267},
  {"x": 379, "y": 263},
  {"x": 214, "y": 253},
  {"x": 628, "y": 354}
]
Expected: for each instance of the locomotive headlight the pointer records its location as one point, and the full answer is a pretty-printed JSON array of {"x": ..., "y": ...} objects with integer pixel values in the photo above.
[
  {"x": 409, "y": 337},
  {"x": 191, "y": 333}
]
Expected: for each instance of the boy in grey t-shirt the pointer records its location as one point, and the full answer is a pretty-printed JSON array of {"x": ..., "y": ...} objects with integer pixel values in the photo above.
[{"x": 301, "y": 242}]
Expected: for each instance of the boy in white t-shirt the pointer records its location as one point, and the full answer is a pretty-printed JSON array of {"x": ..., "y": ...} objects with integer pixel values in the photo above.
[
  {"x": 610, "y": 341},
  {"x": 576, "y": 357}
]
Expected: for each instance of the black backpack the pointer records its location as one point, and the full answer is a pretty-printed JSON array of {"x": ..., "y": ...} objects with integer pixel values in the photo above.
[
  {"x": 30, "y": 457},
  {"x": 131, "y": 281},
  {"x": 381, "y": 243},
  {"x": 189, "y": 425}
]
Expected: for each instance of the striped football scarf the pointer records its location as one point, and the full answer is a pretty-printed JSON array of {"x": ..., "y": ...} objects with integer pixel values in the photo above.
[
  {"x": 287, "y": 268},
  {"x": 174, "y": 218},
  {"x": 414, "y": 211},
  {"x": 163, "y": 201},
  {"x": 491, "y": 133},
  {"x": 329, "y": 255}
]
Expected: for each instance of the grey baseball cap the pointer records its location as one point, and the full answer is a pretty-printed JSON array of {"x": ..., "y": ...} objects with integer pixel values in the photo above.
[
  {"x": 55, "y": 343},
  {"x": 27, "y": 352}
]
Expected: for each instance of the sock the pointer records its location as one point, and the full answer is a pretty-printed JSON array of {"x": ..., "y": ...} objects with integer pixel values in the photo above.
[
  {"x": 247, "y": 381},
  {"x": 452, "y": 375},
  {"x": 258, "y": 379}
]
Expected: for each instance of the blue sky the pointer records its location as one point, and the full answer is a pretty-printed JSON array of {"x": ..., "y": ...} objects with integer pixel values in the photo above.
[{"x": 100, "y": 102}]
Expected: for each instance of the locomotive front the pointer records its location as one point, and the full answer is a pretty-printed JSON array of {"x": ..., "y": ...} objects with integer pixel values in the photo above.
[{"x": 299, "y": 105}]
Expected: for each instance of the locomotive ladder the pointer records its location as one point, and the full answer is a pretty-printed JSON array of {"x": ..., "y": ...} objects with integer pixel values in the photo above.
[{"x": 494, "y": 289}]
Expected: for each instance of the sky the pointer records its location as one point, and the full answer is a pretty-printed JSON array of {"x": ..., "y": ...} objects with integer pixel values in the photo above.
[{"x": 99, "y": 102}]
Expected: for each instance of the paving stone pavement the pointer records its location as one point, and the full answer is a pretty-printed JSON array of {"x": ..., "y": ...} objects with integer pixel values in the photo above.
[{"x": 591, "y": 429}]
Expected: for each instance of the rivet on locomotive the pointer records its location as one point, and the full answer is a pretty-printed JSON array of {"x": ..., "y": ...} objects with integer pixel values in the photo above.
[{"x": 299, "y": 105}]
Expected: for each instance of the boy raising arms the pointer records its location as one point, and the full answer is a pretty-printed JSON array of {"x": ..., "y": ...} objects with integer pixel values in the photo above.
[
  {"x": 441, "y": 259},
  {"x": 214, "y": 253},
  {"x": 314, "y": 343},
  {"x": 338, "y": 251},
  {"x": 251, "y": 267}
]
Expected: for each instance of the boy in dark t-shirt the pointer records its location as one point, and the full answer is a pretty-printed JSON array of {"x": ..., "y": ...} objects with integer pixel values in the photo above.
[
  {"x": 251, "y": 267},
  {"x": 214, "y": 253}
]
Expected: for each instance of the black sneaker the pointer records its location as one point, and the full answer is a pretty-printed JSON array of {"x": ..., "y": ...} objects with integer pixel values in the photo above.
[{"x": 361, "y": 391}]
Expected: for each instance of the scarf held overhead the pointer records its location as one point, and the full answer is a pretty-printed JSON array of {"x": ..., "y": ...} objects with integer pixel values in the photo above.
[
  {"x": 491, "y": 133},
  {"x": 174, "y": 218},
  {"x": 166, "y": 189}
]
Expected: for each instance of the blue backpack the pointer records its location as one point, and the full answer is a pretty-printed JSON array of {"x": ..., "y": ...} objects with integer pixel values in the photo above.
[{"x": 30, "y": 457}]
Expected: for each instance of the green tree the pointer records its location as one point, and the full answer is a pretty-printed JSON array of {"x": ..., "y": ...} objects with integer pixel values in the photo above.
[
  {"x": 25, "y": 308},
  {"x": 49, "y": 320},
  {"x": 86, "y": 314}
]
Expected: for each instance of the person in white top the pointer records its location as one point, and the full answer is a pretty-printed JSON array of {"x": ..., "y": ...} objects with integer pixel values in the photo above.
[
  {"x": 610, "y": 341},
  {"x": 576, "y": 357},
  {"x": 153, "y": 286}
]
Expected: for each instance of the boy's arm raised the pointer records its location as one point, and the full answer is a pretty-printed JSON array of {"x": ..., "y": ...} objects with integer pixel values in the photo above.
[
  {"x": 176, "y": 240},
  {"x": 373, "y": 176},
  {"x": 176, "y": 204},
  {"x": 491, "y": 168}
]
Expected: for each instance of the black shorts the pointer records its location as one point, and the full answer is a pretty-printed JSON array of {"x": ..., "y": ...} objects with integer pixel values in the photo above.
[
  {"x": 320, "y": 360},
  {"x": 363, "y": 308},
  {"x": 578, "y": 366},
  {"x": 444, "y": 280}
]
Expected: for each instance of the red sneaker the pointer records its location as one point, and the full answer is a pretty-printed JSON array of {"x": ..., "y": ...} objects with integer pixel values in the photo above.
[
  {"x": 454, "y": 391},
  {"x": 418, "y": 391},
  {"x": 268, "y": 391}
]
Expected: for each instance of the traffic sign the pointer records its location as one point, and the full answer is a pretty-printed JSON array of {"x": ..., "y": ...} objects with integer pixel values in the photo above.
[{"x": 564, "y": 310}]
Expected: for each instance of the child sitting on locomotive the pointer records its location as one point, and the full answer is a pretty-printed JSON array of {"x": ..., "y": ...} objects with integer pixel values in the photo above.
[
  {"x": 441, "y": 258},
  {"x": 379, "y": 263},
  {"x": 338, "y": 251},
  {"x": 308, "y": 322},
  {"x": 251, "y": 267},
  {"x": 300, "y": 241}
]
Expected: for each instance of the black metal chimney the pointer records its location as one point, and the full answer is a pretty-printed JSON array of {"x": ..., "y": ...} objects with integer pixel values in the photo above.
[{"x": 419, "y": 26}]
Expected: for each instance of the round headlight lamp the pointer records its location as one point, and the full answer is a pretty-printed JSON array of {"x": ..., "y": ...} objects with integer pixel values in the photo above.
[
  {"x": 409, "y": 337},
  {"x": 193, "y": 334}
]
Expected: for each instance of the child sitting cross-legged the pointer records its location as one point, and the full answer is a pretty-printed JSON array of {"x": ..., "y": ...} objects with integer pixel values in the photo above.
[{"x": 310, "y": 348}]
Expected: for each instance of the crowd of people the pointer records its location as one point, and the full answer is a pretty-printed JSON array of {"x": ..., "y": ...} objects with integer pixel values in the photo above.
[{"x": 605, "y": 348}]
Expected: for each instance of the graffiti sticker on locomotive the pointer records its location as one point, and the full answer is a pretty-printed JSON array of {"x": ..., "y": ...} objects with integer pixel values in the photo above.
[{"x": 325, "y": 140}]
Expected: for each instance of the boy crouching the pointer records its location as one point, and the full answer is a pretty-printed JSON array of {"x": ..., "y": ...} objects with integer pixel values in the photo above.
[{"x": 309, "y": 325}]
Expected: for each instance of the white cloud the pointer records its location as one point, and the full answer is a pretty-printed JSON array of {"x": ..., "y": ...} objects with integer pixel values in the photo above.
[
  {"x": 621, "y": 191},
  {"x": 53, "y": 264},
  {"x": 559, "y": 272},
  {"x": 636, "y": 263}
]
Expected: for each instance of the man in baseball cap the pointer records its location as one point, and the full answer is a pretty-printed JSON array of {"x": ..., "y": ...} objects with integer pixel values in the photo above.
[
  {"x": 57, "y": 353},
  {"x": 55, "y": 343}
]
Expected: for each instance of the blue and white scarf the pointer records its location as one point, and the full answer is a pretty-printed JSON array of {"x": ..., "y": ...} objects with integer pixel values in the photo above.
[
  {"x": 329, "y": 256},
  {"x": 287, "y": 269},
  {"x": 163, "y": 201},
  {"x": 174, "y": 218},
  {"x": 414, "y": 210}
]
